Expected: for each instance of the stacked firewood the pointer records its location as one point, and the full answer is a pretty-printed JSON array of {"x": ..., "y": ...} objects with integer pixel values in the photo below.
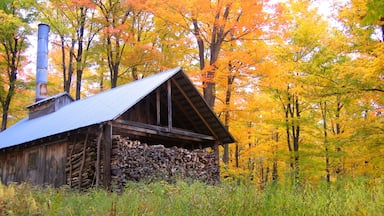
[
  {"x": 135, "y": 161},
  {"x": 80, "y": 166}
]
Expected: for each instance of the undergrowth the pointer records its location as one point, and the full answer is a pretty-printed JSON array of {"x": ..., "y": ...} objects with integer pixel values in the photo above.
[{"x": 357, "y": 197}]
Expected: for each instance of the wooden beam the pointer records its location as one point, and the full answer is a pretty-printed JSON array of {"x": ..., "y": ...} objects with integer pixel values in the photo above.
[
  {"x": 162, "y": 131},
  {"x": 169, "y": 100},
  {"x": 195, "y": 109},
  {"x": 158, "y": 107}
]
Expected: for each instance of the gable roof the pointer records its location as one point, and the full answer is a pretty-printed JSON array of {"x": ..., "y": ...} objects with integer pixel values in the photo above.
[{"x": 103, "y": 107}]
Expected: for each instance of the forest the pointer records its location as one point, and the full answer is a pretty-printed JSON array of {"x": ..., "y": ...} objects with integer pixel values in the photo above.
[{"x": 299, "y": 83}]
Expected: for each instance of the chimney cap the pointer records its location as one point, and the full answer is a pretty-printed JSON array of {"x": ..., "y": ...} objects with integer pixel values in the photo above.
[{"x": 40, "y": 24}]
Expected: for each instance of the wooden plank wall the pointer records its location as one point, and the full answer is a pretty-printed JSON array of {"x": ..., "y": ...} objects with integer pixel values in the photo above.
[{"x": 44, "y": 164}]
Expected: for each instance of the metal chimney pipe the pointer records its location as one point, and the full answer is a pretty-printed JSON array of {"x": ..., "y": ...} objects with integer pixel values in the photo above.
[{"x": 42, "y": 62}]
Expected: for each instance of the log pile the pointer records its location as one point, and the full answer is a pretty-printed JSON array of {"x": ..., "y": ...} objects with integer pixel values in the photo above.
[
  {"x": 132, "y": 160},
  {"x": 135, "y": 161},
  {"x": 80, "y": 166}
]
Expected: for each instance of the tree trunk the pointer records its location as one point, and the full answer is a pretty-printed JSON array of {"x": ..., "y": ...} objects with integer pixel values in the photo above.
[
  {"x": 230, "y": 80},
  {"x": 200, "y": 43},
  {"x": 4, "y": 118},
  {"x": 337, "y": 130},
  {"x": 237, "y": 154},
  {"x": 323, "y": 106},
  {"x": 12, "y": 55},
  {"x": 68, "y": 80},
  {"x": 63, "y": 64},
  {"x": 292, "y": 123},
  {"x": 79, "y": 58},
  {"x": 7, "y": 102},
  {"x": 275, "y": 149}
]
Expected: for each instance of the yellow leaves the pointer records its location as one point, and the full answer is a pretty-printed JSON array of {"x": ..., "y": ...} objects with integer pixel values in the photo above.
[
  {"x": 137, "y": 4},
  {"x": 10, "y": 24},
  {"x": 378, "y": 62},
  {"x": 140, "y": 54}
]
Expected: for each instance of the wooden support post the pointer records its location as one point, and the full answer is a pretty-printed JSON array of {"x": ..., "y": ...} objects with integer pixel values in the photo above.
[
  {"x": 217, "y": 158},
  {"x": 169, "y": 99},
  {"x": 97, "y": 165},
  {"x": 107, "y": 138},
  {"x": 158, "y": 107}
]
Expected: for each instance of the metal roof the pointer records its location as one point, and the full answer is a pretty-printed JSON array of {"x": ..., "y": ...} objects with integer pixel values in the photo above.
[
  {"x": 102, "y": 107},
  {"x": 50, "y": 99}
]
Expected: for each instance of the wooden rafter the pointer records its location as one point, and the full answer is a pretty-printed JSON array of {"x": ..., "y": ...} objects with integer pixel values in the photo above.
[{"x": 195, "y": 109}]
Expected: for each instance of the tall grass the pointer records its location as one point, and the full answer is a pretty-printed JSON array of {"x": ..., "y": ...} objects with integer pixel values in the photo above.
[{"x": 357, "y": 197}]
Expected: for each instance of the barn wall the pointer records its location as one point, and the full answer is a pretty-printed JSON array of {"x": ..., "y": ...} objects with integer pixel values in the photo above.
[
  {"x": 43, "y": 164},
  {"x": 143, "y": 112}
]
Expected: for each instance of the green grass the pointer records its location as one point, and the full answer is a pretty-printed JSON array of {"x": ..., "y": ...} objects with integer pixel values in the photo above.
[{"x": 356, "y": 197}]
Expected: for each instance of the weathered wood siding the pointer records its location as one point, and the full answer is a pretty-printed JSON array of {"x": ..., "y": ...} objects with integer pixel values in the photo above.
[
  {"x": 144, "y": 111},
  {"x": 55, "y": 164},
  {"x": 44, "y": 164}
]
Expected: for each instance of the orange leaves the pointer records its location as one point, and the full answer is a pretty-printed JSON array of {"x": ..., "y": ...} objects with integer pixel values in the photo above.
[
  {"x": 73, "y": 4},
  {"x": 118, "y": 30},
  {"x": 138, "y": 4},
  {"x": 83, "y": 3}
]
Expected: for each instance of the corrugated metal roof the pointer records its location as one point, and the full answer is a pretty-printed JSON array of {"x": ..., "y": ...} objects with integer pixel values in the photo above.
[
  {"x": 95, "y": 109},
  {"x": 102, "y": 107}
]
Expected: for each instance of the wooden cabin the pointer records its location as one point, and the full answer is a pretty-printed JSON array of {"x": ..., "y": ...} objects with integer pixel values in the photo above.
[{"x": 79, "y": 143}]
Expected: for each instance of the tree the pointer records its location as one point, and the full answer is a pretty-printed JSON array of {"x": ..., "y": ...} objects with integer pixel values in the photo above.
[
  {"x": 213, "y": 24},
  {"x": 13, "y": 32},
  {"x": 115, "y": 17},
  {"x": 375, "y": 14},
  {"x": 300, "y": 40},
  {"x": 74, "y": 23}
]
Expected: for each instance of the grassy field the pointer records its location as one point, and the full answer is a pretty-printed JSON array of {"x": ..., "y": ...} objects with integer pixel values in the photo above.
[{"x": 356, "y": 197}]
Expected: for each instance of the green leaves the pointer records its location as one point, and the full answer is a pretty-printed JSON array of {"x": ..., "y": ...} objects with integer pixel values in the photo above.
[{"x": 375, "y": 12}]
